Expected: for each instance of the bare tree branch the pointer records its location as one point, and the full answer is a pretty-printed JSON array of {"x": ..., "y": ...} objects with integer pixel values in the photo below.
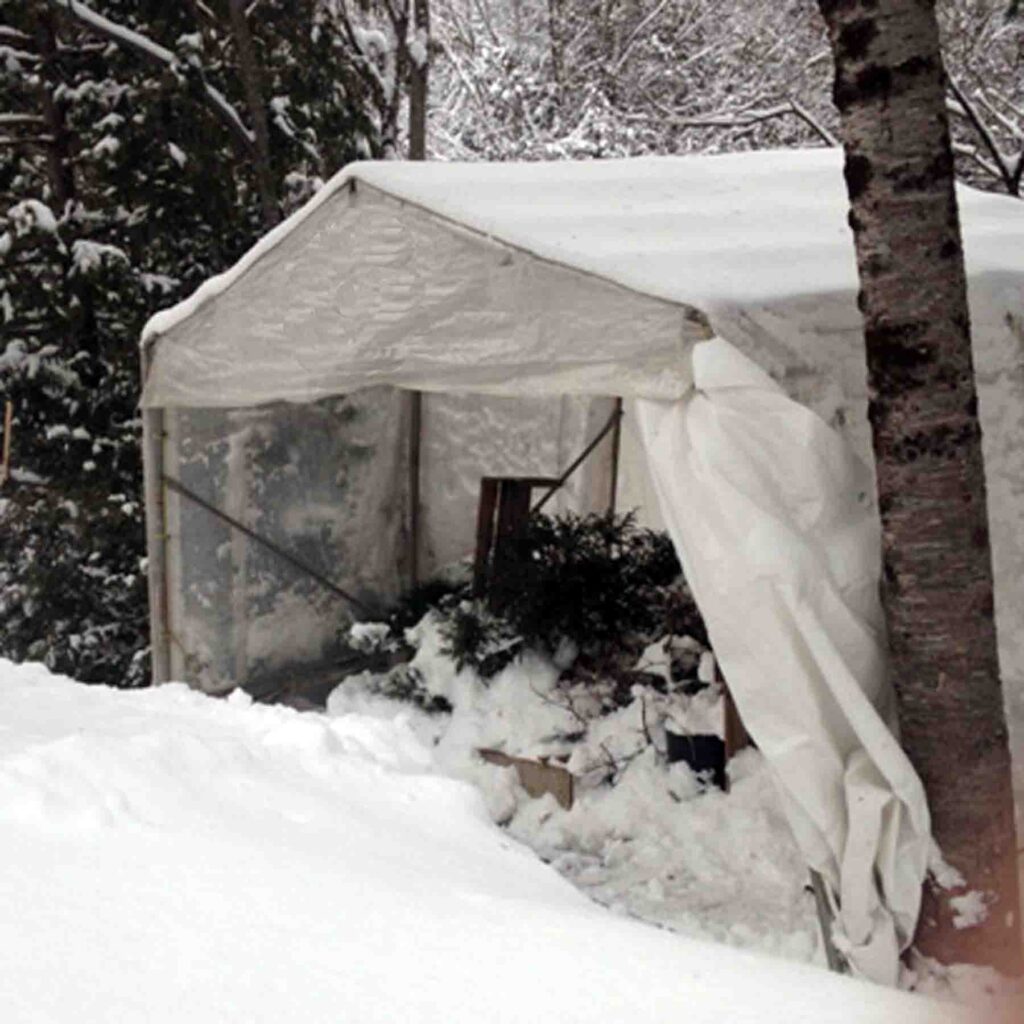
[
  {"x": 1017, "y": 174},
  {"x": 749, "y": 117},
  {"x": 1002, "y": 171},
  {"x": 971, "y": 152},
  {"x": 813, "y": 123}
]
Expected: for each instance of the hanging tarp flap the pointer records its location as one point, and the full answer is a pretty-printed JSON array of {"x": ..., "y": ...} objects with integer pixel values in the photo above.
[{"x": 773, "y": 518}]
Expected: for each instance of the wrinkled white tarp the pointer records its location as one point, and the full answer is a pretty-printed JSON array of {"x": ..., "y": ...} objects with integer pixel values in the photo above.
[
  {"x": 572, "y": 276},
  {"x": 778, "y": 534},
  {"x": 374, "y": 291}
]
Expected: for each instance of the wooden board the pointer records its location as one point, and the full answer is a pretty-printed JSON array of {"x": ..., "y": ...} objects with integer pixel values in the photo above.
[{"x": 537, "y": 777}]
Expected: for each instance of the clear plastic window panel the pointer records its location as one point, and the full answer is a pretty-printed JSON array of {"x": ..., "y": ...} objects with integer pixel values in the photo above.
[{"x": 328, "y": 482}]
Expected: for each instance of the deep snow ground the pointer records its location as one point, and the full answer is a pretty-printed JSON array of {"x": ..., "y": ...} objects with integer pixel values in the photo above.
[
  {"x": 170, "y": 857},
  {"x": 655, "y": 845}
]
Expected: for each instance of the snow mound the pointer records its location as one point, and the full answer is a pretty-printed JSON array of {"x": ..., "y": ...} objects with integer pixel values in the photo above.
[
  {"x": 173, "y": 857},
  {"x": 657, "y": 845}
]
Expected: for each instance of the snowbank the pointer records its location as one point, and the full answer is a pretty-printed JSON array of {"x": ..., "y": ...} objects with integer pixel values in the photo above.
[
  {"x": 657, "y": 845},
  {"x": 172, "y": 857}
]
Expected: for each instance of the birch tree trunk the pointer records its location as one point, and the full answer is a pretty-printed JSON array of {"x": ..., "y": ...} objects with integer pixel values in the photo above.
[{"x": 937, "y": 575}]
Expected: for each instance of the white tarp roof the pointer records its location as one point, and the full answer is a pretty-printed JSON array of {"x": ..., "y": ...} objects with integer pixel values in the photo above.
[
  {"x": 371, "y": 281},
  {"x": 358, "y": 289}
]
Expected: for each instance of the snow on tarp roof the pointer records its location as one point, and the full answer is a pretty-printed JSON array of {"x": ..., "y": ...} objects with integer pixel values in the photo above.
[
  {"x": 697, "y": 230},
  {"x": 713, "y": 234},
  {"x": 692, "y": 230}
]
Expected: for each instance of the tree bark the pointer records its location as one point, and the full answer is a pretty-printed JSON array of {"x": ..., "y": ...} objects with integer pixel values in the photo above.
[
  {"x": 249, "y": 72},
  {"x": 937, "y": 574},
  {"x": 60, "y": 170},
  {"x": 418, "y": 82},
  {"x": 556, "y": 40}
]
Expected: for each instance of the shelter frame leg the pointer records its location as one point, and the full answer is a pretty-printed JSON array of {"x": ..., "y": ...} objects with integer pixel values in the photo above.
[
  {"x": 156, "y": 536},
  {"x": 836, "y": 961},
  {"x": 415, "y": 460}
]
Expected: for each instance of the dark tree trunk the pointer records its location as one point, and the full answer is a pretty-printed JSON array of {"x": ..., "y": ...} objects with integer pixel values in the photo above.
[
  {"x": 59, "y": 166},
  {"x": 937, "y": 576},
  {"x": 249, "y": 72},
  {"x": 556, "y": 39},
  {"x": 418, "y": 83},
  {"x": 419, "y": 80}
]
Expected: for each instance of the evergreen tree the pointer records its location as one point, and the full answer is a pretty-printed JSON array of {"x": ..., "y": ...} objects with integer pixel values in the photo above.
[{"x": 132, "y": 169}]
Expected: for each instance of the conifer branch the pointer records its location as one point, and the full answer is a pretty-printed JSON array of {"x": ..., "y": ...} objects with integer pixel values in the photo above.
[{"x": 160, "y": 56}]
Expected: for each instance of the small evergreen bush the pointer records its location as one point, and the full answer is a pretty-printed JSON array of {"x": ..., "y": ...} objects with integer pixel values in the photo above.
[
  {"x": 592, "y": 582},
  {"x": 429, "y": 595},
  {"x": 476, "y": 637},
  {"x": 405, "y": 683}
]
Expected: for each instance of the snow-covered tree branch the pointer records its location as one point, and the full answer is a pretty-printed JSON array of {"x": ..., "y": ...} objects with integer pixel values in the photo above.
[{"x": 153, "y": 52}]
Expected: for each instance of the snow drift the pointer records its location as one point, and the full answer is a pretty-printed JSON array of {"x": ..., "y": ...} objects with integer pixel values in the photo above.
[{"x": 171, "y": 857}]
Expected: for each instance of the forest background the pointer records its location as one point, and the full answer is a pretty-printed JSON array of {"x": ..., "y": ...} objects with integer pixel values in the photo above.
[{"x": 146, "y": 146}]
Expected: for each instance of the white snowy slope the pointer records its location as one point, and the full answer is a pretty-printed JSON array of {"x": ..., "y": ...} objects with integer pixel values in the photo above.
[
  {"x": 172, "y": 857},
  {"x": 657, "y": 845}
]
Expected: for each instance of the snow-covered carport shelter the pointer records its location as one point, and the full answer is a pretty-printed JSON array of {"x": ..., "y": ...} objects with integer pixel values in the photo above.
[{"x": 716, "y": 297}]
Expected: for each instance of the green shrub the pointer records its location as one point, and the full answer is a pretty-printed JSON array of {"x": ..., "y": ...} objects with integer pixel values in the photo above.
[
  {"x": 475, "y": 636},
  {"x": 591, "y": 580},
  {"x": 405, "y": 683},
  {"x": 594, "y": 582},
  {"x": 427, "y": 596}
]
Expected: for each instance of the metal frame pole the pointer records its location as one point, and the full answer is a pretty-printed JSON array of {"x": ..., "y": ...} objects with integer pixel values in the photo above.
[{"x": 156, "y": 532}]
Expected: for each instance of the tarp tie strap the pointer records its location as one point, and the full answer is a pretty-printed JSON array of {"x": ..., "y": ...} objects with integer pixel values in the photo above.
[
  {"x": 837, "y": 963},
  {"x": 286, "y": 556},
  {"x": 547, "y": 495}
]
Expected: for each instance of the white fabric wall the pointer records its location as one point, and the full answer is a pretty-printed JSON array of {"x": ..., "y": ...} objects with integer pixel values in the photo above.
[
  {"x": 635, "y": 489},
  {"x": 814, "y": 350},
  {"x": 777, "y": 530},
  {"x": 998, "y": 333},
  {"x": 328, "y": 481},
  {"x": 466, "y": 437}
]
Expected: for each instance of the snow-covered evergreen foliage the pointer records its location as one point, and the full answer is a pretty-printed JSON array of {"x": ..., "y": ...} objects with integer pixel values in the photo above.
[
  {"x": 598, "y": 586},
  {"x": 124, "y": 185}
]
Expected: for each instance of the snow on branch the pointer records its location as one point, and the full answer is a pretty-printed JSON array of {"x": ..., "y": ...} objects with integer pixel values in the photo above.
[
  {"x": 9, "y": 120},
  {"x": 8, "y": 141},
  {"x": 999, "y": 165},
  {"x": 159, "y": 55},
  {"x": 750, "y": 116},
  {"x": 14, "y": 34}
]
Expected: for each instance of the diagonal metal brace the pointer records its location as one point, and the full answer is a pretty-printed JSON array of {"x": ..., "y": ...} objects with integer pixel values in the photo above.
[{"x": 297, "y": 563}]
